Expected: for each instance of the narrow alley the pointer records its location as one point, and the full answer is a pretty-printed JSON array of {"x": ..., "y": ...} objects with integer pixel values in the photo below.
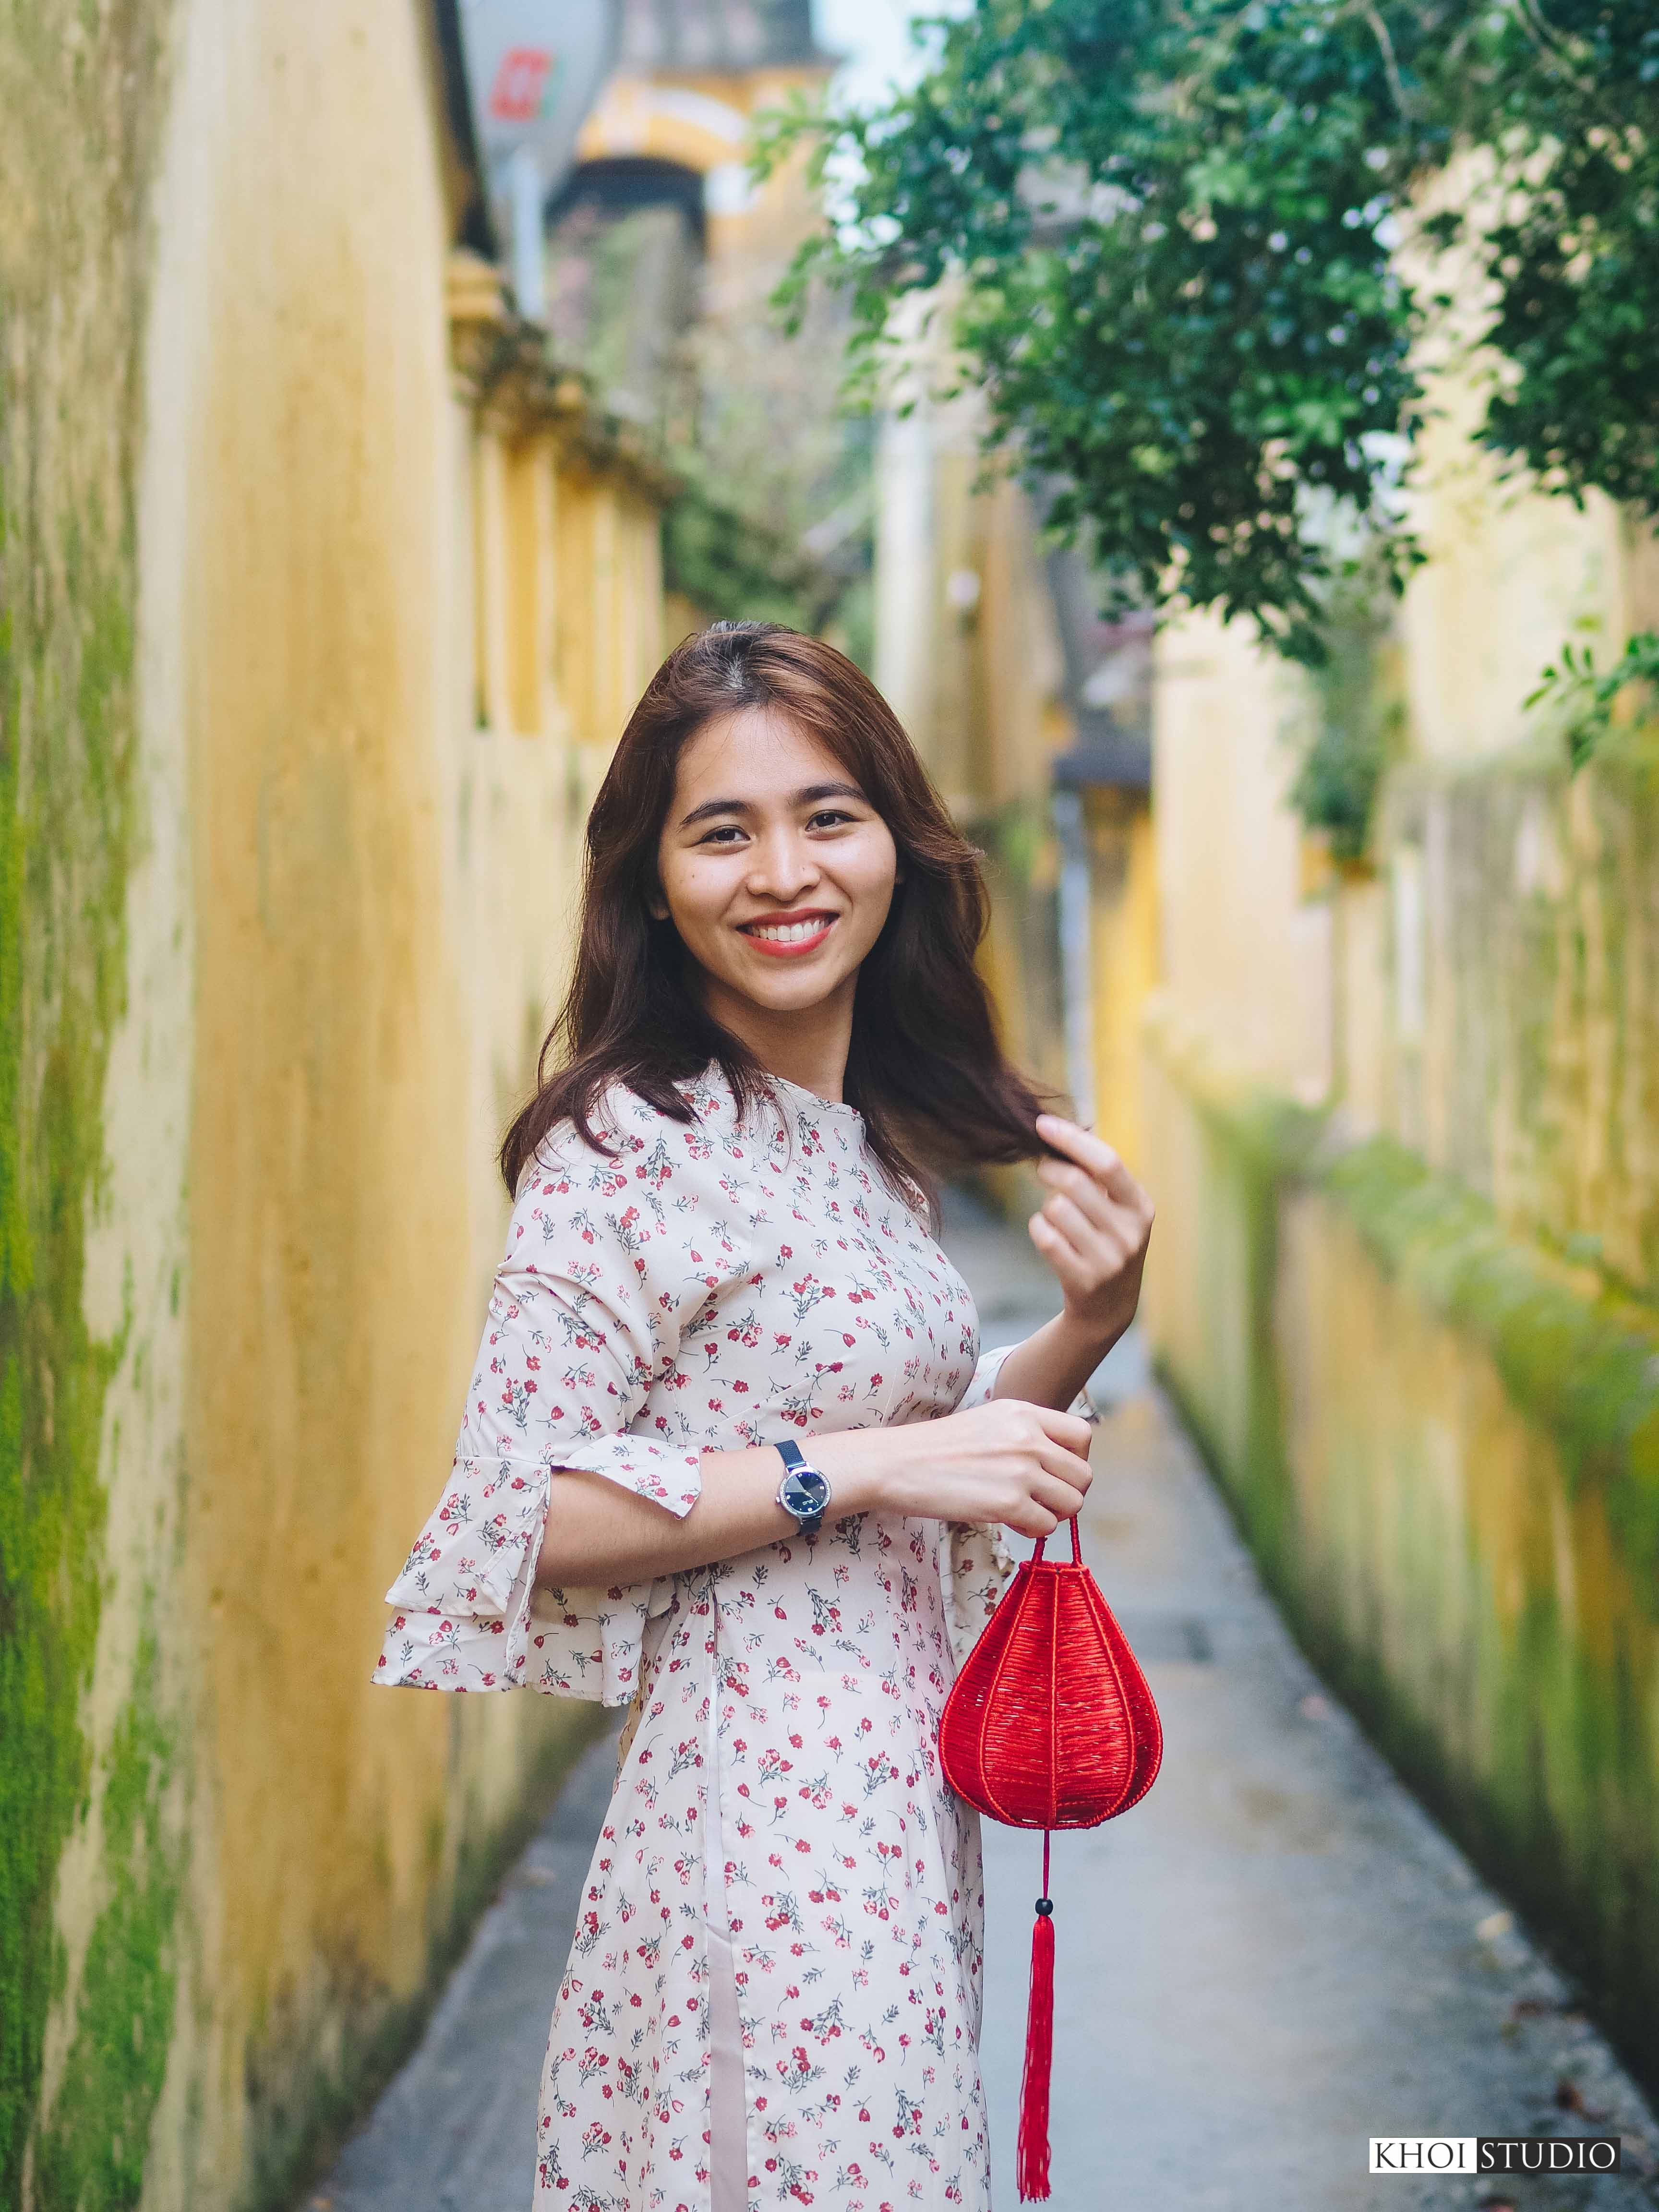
[
  {"x": 1218, "y": 538},
  {"x": 1274, "y": 1957}
]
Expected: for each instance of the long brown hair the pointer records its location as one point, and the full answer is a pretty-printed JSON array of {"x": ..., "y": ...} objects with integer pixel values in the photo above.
[{"x": 925, "y": 1068}]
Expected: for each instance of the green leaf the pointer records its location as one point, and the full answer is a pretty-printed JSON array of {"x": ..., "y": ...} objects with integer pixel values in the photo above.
[{"x": 1168, "y": 230}]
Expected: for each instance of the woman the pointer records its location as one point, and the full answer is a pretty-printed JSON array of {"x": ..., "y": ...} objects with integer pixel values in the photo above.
[{"x": 727, "y": 1454}]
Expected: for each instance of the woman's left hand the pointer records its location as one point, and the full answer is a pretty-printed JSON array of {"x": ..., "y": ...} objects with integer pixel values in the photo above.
[{"x": 1092, "y": 1231}]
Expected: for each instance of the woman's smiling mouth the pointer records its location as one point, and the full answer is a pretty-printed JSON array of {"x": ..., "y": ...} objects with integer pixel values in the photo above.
[{"x": 787, "y": 936}]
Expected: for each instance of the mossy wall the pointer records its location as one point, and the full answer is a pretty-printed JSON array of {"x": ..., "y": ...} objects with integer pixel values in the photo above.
[
  {"x": 279, "y": 922},
  {"x": 82, "y": 91},
  {"x": 1443, "y": 1445},
  {"x": 1535, "y": 1075}
]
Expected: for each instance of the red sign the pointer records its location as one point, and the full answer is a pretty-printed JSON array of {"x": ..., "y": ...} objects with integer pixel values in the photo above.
[{"x": 521, "y": 84}]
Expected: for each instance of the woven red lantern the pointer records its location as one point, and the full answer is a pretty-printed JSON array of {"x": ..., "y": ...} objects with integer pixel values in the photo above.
[{"x": 1049, "y": 1724}]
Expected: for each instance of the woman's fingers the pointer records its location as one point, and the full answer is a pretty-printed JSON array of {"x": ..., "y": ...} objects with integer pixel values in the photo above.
[
  {"x": 1063, "y": 1467},
  {"x": 1080, "y": 1195},
  {"x": 1045, "y": 1505},
  {"x": 1070, "y": 1430},
  {"x": 1022, "y": 1464},
  {"x": 1086, "y": 1192},
  {"x": 1097, "y": 1162},
  {"x": 1030, "y": 1519},
  {"x": 1087, "y": 1237},
  {"x": 1090, "y": 1152},
  {"x": 1075, "y": 1271},
  {"x": 1057, "y": 1497}
]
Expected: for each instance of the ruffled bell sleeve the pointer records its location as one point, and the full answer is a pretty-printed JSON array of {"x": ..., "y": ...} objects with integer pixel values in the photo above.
[{"x": 578, "y": 1369}]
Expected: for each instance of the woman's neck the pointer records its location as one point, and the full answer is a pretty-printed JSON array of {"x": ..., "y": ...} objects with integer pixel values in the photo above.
[{"x": 806, "y": 1045}]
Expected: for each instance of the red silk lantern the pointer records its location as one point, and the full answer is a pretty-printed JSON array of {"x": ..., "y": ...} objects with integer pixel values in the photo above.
[{"x": 1049, "y": 1724}]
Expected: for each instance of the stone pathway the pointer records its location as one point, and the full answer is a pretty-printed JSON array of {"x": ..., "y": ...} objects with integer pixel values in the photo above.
[{"x": 1273, "y": 1957}]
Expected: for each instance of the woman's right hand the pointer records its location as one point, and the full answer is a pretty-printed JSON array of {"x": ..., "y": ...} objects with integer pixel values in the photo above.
[
  {"x": 1025, "y": 1465},
  {"x": 1019, "y": 1464}
]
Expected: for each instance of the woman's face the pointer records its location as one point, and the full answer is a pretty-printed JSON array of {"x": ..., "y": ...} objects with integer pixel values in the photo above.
[{"x": 775, "y": 869}]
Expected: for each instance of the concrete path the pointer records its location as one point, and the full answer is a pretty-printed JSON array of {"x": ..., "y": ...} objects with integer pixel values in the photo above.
[
  {"x": 1273, "y": 1957},
  {"x": 456, "y": 2131}
]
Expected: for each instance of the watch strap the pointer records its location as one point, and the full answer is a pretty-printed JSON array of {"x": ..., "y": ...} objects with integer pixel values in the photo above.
[{"x": 795, "y": 1461}]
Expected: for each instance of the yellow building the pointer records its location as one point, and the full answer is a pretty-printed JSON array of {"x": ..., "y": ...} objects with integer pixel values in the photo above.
[
  {"x": 1403, "y": 1134},
  {"x": 690, "y": 76},
  {"x": 664, "y": 255},
  {"x": 324, "y": 597}
]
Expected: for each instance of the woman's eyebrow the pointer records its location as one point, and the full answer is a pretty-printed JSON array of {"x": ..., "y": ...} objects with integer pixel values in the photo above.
[
  {"x": 714, "y": 806},
  {"x": 811, "y": 794},
  {"x": 815, "y": 792}
]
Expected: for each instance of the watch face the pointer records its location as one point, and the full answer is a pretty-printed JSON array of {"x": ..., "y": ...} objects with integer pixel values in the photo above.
[{"x": 804, "y": 1492}]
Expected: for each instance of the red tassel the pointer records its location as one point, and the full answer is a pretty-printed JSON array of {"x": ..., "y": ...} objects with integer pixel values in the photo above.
[{"x": 1032, "y": 2164}]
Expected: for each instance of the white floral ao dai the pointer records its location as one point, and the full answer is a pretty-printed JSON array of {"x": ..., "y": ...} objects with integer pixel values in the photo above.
[{"x": 724, "y": 1283}]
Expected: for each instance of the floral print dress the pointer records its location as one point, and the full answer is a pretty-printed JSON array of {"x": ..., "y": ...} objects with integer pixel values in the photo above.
[{"x": 779, "y": 1817}]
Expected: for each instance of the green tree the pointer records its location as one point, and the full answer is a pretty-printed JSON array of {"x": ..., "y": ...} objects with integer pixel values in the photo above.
[{"x": 1168, "y": 230}]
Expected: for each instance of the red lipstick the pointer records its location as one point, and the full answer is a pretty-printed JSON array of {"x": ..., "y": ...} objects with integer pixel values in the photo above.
[{"x": 808, "y": 926}]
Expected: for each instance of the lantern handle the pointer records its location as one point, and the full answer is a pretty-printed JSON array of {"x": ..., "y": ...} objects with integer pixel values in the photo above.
[{"x": 1077, "y": 1545}]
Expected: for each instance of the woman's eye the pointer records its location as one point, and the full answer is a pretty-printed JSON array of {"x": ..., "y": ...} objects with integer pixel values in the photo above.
[
  {"x": 728, "y": 834},
  {"x": 827, "y": 817}
]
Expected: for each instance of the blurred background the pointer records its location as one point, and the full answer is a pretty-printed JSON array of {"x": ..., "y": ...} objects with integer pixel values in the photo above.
[{"x": 384, "y": 387}]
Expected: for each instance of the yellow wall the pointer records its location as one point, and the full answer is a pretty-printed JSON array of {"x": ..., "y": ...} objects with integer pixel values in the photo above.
[
  {"x": 1441, "y": 1450},
  {"x": 1294, "y": 974},
  {"x": 966, "y": 648},
  {"x": 1244, "y": 955},
  {"x": 966, "y": 653},
  {"x": 1402, "y": 1128},
  {"x": 390, "y": 619},
  {"x": 1123, "y": 959}
]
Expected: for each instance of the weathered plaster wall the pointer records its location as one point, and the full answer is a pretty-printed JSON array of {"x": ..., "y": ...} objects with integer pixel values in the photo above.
[
  {"x": 1444, "y": 1449},
  {"x": 84, "y": 1361},
  {"x": 288, "y": 892},
  {"x": 1511, "y": 576},
  {"x": 1403, "y": 1134},
  {"x": 332, "y": 1290},
  {"x": 1123, "y": 962},
  {"x": 1530, "y": 1061},
  {"x": 1242, "y": 953}
]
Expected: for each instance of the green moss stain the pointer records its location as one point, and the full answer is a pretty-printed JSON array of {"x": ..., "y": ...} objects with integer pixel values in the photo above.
[
  {"x": 1252, "y": 1141},
  {"x": 81, "y": 90},
  {"x": 1586, "y": 1370},
  {"x": 1544, "y": 1046},
  {"x": 1560, "y": 1801},
  {"x": 1533, "y": 1738},
  {"x": 64, "y": 778},
  {"x": 1358, "y": 719},
  {"x": 90, "y": 2157}
]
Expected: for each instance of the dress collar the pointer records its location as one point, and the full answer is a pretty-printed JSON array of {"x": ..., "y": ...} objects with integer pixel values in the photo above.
[{"x": 812, "y": 1102}]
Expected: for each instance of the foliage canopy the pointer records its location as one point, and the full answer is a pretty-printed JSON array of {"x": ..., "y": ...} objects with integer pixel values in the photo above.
[{"x": 1168, "y": 233}]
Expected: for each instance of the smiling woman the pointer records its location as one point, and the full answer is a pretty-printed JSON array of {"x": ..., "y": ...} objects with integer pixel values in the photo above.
[
  {"x": 721, "y": 1252},
  {"x": 763, "y": 780},
  {"x": 779, "y": 895}
]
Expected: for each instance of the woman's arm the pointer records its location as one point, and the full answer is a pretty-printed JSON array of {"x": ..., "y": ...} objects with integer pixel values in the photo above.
[
  {"x": 1093, "y": 1231},
  {"x": 1018, "y": 1461},
  {"x": 598, "y": 1535},
  {"x": 1025, "y": 1465}
]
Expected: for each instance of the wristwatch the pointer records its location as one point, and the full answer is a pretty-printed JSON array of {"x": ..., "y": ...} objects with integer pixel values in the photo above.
[{"x": 803, "y": 1492}]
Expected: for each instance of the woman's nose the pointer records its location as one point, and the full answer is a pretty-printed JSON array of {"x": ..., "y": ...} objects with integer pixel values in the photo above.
[{"x": 782, "y": 866}]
